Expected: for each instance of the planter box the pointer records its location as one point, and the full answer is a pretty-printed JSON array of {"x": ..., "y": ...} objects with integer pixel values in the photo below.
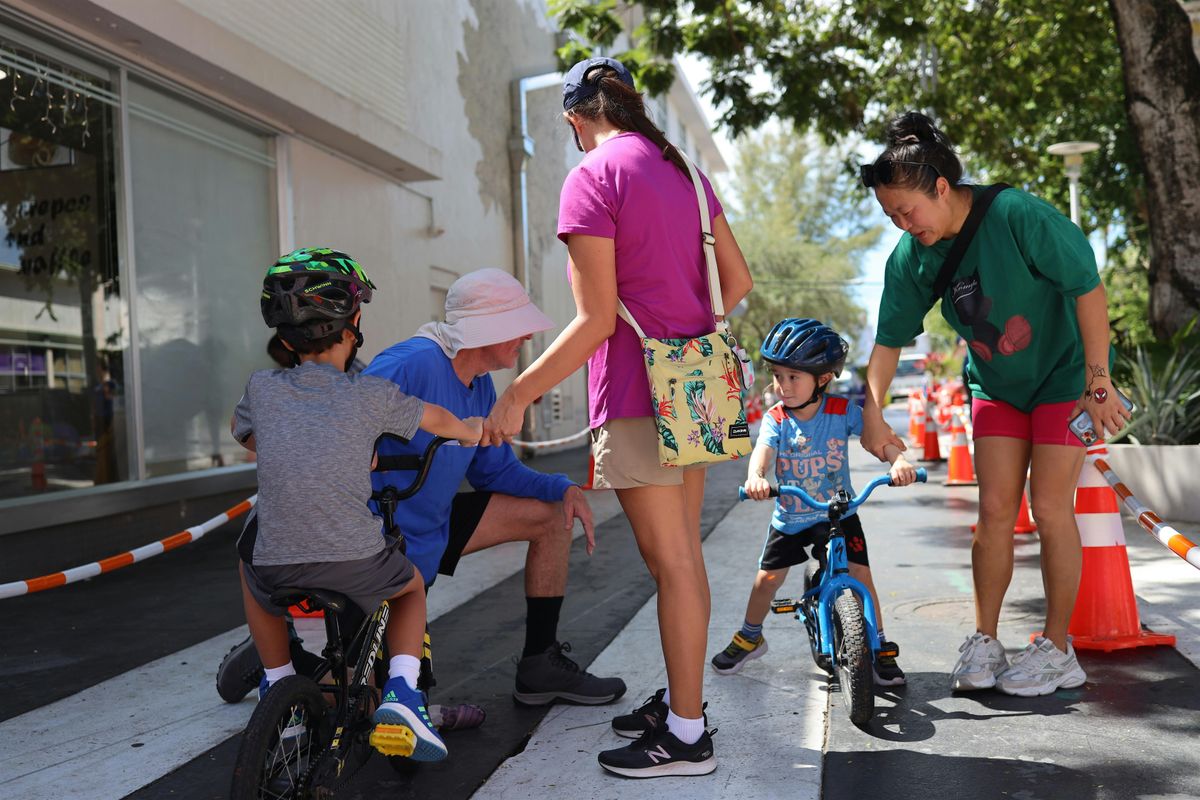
[{"x": 1164, "y": 477}]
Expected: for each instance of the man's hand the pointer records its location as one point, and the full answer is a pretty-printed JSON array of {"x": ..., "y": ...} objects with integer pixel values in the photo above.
[{"x": 575, "y": 504}]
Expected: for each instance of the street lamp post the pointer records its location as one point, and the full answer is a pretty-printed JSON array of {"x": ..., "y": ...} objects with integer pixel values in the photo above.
[{"x": 1072, "y": 153}]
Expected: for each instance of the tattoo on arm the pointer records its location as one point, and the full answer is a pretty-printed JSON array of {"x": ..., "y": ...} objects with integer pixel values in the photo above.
[{"x": 1097, "y": 371}]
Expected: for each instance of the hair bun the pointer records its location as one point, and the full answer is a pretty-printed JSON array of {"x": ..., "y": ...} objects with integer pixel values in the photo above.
[{"x": 912, "y": 128}]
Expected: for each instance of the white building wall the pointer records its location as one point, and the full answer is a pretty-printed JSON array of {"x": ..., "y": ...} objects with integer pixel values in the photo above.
[{"x": 394, "y": 121}]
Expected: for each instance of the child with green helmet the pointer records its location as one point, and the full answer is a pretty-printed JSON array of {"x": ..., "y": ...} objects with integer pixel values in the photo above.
[{"x": 314, "y": 430}]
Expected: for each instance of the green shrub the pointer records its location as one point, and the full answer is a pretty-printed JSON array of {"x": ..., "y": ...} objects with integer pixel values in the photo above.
[{"x": 1166, "y": 393}]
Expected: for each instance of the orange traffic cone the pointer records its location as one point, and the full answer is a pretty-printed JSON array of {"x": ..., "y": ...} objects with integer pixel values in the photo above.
[
  {"x": 961, "y": 471},
  {"x": 1106, "y": 615},
  {"x": 932, "y": 450},
  {"x": 916, "y": 419}
]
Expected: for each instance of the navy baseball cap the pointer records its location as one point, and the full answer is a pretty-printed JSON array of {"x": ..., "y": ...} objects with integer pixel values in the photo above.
[{"x": 577, "y": 87}]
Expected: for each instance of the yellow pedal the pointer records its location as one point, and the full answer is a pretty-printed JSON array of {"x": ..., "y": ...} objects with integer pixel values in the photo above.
[
  {"x": 783, "y": 608},
  {"x": 393, "y": 740}
]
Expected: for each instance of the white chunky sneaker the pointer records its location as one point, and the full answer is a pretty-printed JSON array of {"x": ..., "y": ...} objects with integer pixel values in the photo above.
[
  {"x": 1041, "y": 669},
  {"x": 981, "y": 661}
]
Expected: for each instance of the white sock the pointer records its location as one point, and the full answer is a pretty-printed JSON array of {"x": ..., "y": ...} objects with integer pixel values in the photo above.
[
  {"x": 279, "y": 673},
  {"x": 687, "y": 731},
  {"x": 667, "y": 697},
  {"x": 407, "y": 667}
]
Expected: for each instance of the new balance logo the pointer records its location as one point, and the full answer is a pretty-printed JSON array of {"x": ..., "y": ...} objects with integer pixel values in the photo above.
[{"x": 658, "y": 753}]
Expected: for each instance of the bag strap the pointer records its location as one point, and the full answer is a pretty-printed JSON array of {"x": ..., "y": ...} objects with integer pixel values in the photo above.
[
  {"x": 963, "y": 240},
  {"x": 708, "y": 242}
]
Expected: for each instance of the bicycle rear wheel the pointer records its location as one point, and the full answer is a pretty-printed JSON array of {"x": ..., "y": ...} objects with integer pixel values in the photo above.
[
  {"x": 853, "y": 658},
  {"x": 284, "y": 735}
]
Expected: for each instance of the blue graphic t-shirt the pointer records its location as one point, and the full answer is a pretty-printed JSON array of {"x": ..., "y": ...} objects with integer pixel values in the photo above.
[{"x": 812, "y": 455}]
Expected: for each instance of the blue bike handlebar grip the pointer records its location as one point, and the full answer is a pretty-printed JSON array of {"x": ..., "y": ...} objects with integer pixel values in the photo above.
[
  {"x": 922, "y": 475},
  {"x": 742, "y": 493}
]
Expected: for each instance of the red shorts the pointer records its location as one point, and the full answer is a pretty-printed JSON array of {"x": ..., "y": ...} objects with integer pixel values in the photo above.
[{"x": 1046, "y": 424}]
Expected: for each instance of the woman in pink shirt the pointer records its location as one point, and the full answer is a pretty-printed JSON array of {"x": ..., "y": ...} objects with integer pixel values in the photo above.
[{"x": 629, "y": 216}]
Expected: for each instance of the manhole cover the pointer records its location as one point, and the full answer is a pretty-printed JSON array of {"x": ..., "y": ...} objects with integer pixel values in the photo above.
[{"x": 952, "y": 609}]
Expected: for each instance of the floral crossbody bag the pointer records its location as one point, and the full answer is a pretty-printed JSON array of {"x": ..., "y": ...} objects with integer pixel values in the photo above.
[{"x": 696, "y": 384}]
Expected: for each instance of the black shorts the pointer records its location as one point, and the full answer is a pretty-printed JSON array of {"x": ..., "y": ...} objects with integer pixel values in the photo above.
[
  {"x": 465, "y": 512},
  {"x": 784, "y": 550}
]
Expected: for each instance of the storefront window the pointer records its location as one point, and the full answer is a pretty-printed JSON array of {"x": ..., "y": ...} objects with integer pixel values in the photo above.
[
  {"x": 62, "y": 336},
  {"x": 203, "y": 238}
]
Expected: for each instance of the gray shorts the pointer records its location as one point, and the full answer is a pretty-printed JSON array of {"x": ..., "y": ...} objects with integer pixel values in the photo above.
[{"x": 366, "y": 581}]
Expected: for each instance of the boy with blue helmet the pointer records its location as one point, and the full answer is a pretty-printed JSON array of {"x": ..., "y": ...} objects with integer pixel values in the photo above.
[{"x": 805, "y": 434}]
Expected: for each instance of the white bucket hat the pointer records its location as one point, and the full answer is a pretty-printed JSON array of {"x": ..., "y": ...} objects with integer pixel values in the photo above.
[{"x": 484, "y": 307}]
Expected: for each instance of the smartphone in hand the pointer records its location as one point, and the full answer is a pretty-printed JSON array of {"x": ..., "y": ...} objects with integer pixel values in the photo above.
[{"x": 1082, "y": 425}]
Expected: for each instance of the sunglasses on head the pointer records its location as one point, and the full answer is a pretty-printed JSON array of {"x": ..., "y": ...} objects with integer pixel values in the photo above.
[{"x": 881, "y": 172}]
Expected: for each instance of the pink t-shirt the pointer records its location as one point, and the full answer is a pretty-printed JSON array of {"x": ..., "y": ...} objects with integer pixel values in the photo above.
[{"x": 626, "y": 191}]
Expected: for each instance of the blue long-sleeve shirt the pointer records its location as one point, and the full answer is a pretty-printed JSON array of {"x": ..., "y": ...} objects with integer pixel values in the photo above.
[{"x": 420, "y": 368}]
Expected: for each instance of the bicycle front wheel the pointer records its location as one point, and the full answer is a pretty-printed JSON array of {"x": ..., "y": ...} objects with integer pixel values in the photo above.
[
  {"x": 284, "y": 735},
  {"x": 853, "y": 658}
]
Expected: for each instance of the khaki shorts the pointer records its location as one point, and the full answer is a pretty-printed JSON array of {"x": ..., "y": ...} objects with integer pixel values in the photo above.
[{"x": 625, "y": 456}]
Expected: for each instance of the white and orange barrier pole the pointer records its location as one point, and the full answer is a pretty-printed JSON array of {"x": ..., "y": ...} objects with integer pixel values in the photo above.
[
  {"x": 75, "y": 574},
  {"x": 1170, "y": 538}
]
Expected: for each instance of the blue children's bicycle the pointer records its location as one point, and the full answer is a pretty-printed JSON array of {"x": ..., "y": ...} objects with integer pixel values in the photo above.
[{"x": 838, "y": 611}]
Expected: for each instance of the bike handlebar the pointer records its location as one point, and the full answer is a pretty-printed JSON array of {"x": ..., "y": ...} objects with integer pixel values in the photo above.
[
  {"x": 420, "y": 464},
  {"x": 858, "y": 500}
]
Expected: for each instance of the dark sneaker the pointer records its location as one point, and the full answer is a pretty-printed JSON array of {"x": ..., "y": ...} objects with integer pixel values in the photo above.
[
  {"x": 658, "y": 753},
  {"x": 648, "y": 716},
  {"x": 740, "y": 651},
  {"x": 241, "y": 671},
  {"x": 887, "y": 671},
  {"x": 550, "y": 676},
  {"x": 651, "y": 714}
]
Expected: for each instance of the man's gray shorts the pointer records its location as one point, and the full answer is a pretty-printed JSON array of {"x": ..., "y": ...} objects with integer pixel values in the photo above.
[{"x": 366, "y": 581}]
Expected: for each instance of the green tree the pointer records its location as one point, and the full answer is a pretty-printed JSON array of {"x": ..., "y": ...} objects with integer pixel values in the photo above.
[
  {"x": 799, "y": 222},
  {"x": 1005, "y": 79}
]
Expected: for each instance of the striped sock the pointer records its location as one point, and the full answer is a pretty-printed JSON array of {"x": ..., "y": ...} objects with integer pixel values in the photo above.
[{"x": 751, "y": 633}]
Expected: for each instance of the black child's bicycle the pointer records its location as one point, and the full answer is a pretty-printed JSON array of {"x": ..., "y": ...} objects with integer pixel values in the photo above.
[{"x": 310, "y": 734}]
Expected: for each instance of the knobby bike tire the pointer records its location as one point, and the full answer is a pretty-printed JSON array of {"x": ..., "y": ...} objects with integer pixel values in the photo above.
[
  {"x": 853, "y": 658},
  {"x": 265, "y": 768}
]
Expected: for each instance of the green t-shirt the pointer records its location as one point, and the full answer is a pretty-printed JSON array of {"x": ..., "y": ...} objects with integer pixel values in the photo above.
[{"x": 1011, "y": 299}]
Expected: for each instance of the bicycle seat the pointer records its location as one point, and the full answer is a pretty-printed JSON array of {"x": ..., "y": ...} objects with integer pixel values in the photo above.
[{"x": 318, "y": 598}]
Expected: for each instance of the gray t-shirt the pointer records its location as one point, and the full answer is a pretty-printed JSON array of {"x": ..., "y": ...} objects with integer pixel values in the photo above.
[{"x": 315, "y": 430}]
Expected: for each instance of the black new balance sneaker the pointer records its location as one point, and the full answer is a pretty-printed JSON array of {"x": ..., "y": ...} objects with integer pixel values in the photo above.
[
  {"x": 658, "y": 753},
  {"x": 550, "y": 676},
  {"x": 651, "y": 714}
]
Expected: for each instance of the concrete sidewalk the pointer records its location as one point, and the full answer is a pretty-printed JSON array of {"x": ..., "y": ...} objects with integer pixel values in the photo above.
[{"x": 770, "y": 716}]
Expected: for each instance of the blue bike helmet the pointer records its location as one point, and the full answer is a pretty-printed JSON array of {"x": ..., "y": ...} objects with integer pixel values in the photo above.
[{"x": 805, "y": 345}]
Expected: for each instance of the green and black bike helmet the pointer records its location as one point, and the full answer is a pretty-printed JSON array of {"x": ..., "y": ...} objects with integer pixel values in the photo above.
[{"x": 314, "y": 290}]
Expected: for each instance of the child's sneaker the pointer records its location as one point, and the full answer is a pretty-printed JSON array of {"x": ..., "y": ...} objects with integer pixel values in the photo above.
[
  {"x": 982, "y": 659},
  {"x": 404, "y": 707},
  {"x": 1040, "y": 669},
  {"x": 887, "y": 671},
  {"x": 658, "y": 753},
  {"x": 730, "y": 660}
]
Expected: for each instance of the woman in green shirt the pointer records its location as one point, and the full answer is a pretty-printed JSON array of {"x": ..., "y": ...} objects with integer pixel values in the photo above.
[{"x": 1028, "y": 300}]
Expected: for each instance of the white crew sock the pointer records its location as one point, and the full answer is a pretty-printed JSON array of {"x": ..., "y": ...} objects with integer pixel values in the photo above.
[
  {"x": 687, "y": 731},
  {"x": 407, "y": 667},
  {"x": 279, "y": 673},
  {"x": 667, "y": 697}
]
